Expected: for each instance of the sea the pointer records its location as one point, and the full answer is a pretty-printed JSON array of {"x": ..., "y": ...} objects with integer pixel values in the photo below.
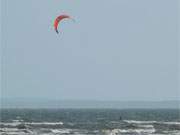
[{"x": 90, "y": 122}]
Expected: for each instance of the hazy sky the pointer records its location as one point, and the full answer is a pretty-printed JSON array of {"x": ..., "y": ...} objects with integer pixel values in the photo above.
[{"x": 116, "y": 49}]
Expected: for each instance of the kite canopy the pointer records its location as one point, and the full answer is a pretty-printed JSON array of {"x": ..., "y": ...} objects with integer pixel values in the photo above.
[{"x": 57, "y": 21}]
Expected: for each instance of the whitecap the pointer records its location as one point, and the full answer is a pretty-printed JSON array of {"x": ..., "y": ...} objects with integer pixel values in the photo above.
[
  {"x": 139, "y": 122},
  {"x": 60, "y": 131}
]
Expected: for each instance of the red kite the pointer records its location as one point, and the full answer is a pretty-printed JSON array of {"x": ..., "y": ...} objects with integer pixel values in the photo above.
[{"x": 58, "y": 19}]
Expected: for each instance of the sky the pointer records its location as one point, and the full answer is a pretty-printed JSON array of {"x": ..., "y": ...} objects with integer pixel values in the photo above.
[{"x": 115, "y": 50}]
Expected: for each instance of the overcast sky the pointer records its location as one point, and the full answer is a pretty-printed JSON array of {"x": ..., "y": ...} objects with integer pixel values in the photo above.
[{"x": 116, "y": 49}]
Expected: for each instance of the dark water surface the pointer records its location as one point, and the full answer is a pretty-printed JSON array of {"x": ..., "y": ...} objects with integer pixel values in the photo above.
[{"x": 90, "y": 122}]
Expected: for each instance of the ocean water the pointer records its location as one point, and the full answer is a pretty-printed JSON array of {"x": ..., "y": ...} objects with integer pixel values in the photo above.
[{"x": 89, "y": 122}]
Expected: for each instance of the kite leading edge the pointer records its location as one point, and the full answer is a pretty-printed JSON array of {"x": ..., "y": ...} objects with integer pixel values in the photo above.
[{"x": 58, "y": 20}]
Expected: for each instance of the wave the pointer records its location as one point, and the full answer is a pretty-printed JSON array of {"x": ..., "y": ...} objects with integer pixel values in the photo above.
[
  {"x": 114, "y": 128},
  {"x": 171, "y": 123},
  {"x": 61, "y": 131},
  {"x": 159, "y": 126},
  {"x": 45, "y": 131},
  {"x": 130, "y": 131},
  {"x": 151, "y": 122},
  {"x": 29, "y": 125},
  {"x": 15, "y": 131},
  {"x": 139, "y": 122},
  {"x": 44, "y": 123}
]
